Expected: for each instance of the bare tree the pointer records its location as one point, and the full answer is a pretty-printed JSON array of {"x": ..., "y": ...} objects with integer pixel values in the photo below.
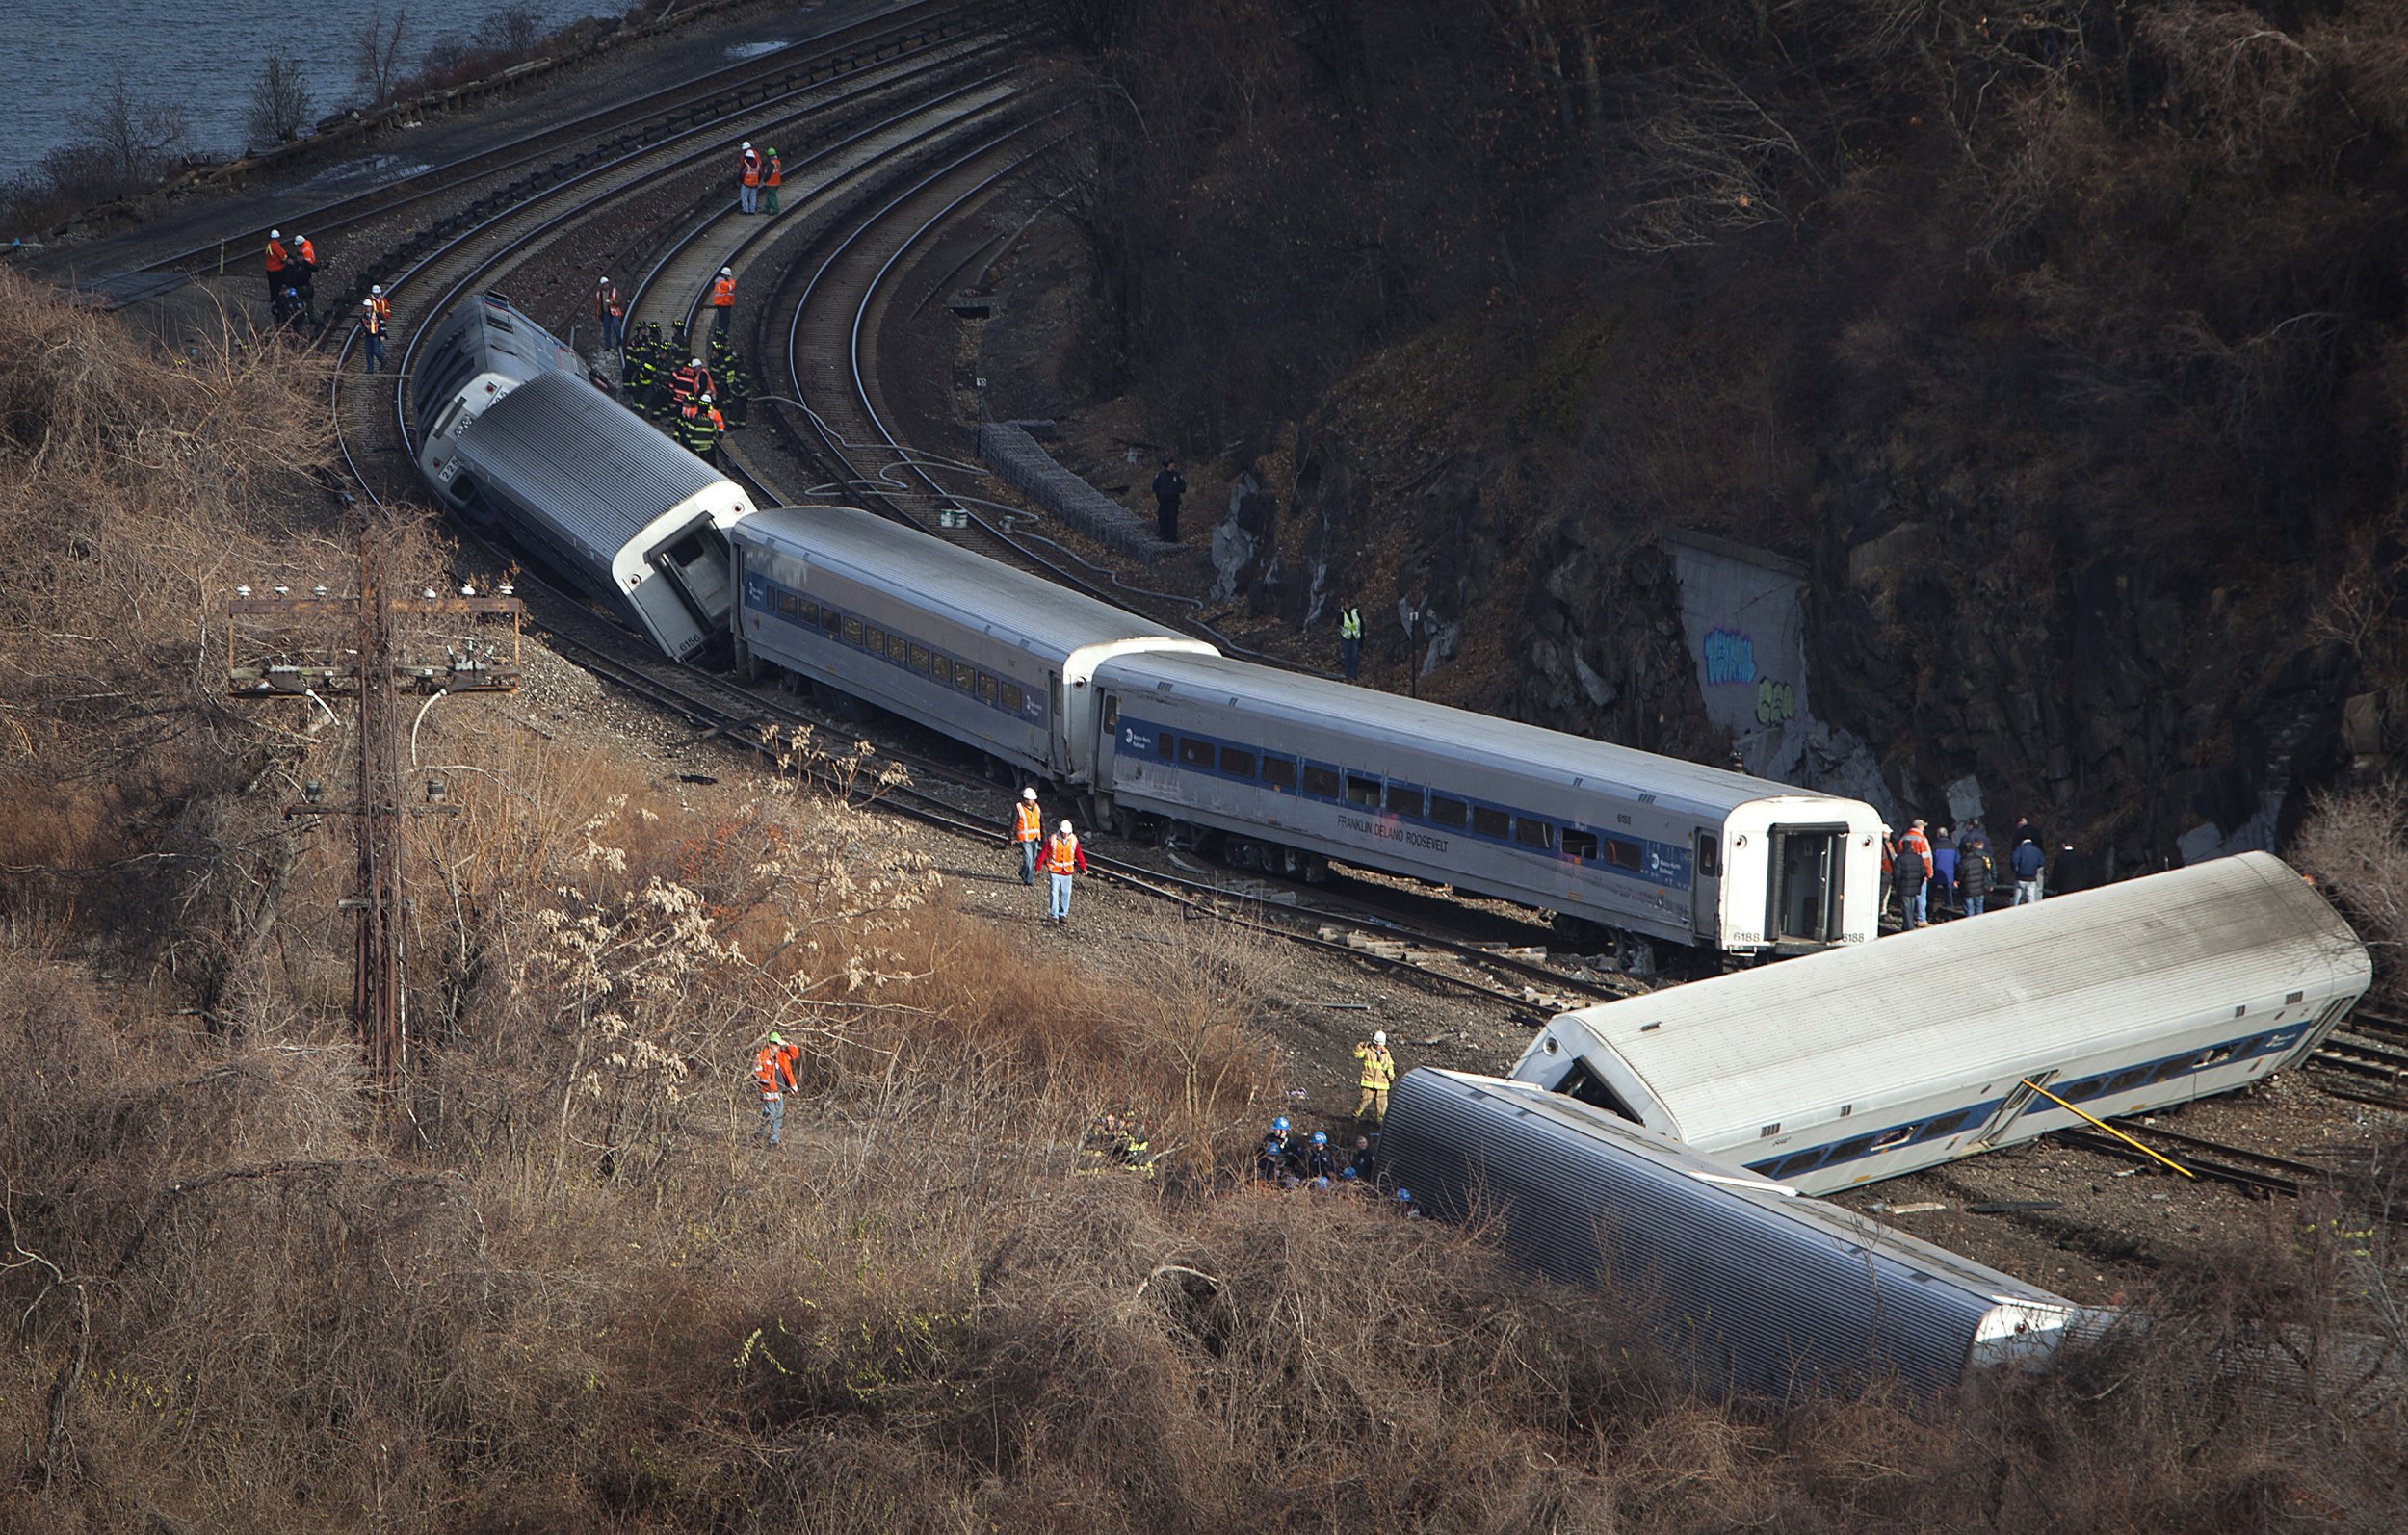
[
  {"x": 2356, "y": 844},
  {"x": 514, "y": 30},
  {"x": 377, "y": 54},
  {"x": 137, "y": 132},
  {"x": 279, "y": 102}
]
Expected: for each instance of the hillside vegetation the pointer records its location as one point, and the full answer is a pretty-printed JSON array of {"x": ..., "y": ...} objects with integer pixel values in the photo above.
[
  {"x": 553, "y": 1284},
  {"x": 2063, "y": 342}
]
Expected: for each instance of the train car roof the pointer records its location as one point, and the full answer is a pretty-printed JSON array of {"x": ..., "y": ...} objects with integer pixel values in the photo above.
[
  {"x": 1973, "y": 1002},
  {"x": 1009, "y": 605},
  {"x": 1575, "y": 762},
  {"x": 607, "y": 475},
  {"x": 485, "y": 334},
  {"x": 1777, "y": 1288}
]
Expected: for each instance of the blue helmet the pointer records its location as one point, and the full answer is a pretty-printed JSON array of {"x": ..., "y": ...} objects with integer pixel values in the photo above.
[
  {"x": 1320, "y": 1137},
  {"x": 1281, "y": 1123},
  {"x": 1344, "y": 1173},
  {"x": 1405, "y": 1196}
]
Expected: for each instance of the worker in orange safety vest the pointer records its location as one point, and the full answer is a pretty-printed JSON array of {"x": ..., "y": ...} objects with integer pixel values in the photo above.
[
  {"x": 748, "y": 179},
  {"x": 774, "y": 1069},
  {"x": 612, "y": 311},
  {"x": 303, "y": 272},
  {"x": 773, "y": 177},
  {"x": 722, "y": 300},
  {"x": 1062, "y": 858},
  {"x": 1028, "y": 830},
  {"x": 276, "y": 260}
]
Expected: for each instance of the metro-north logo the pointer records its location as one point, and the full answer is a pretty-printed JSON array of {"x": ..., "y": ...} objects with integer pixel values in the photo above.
[{"x": 1133, "y": 742}]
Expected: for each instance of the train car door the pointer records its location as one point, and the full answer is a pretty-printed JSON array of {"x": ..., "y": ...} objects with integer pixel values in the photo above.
[
  {"x": 1057, "y": 728},
  {"x": 1802, "y": 898},
  {"x": 1706, "y": 883},
  {"x": 2026, "y": 1094}
]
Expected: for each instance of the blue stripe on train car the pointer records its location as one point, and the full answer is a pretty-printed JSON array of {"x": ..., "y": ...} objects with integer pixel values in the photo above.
[
  {"x": 1956, "y": 1121},
  {"x": 837, "y": 626},
  {"x": 1665, "y": 864}
]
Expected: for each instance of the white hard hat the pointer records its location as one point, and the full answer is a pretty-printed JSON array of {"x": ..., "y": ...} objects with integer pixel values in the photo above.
[
  {"x": 1380, "y": 1036},
  {"x": 693, "y": 362},
  {"x": 275, "y": 234},
  {"x": 748, "y": 144},
  {"x": 603, "y": 283},
  {"x": 367, "y": 303},
  {"x": 1065, "y": 828},
  {"x": 706, "y": 396},
  {"x": 727, "y": 272},
  {"x": 1027, "y": 793},
  {"x": 375, "y": 287}
]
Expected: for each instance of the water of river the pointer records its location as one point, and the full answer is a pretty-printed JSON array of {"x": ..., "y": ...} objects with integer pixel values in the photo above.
[{"x": 203, "y": 57}]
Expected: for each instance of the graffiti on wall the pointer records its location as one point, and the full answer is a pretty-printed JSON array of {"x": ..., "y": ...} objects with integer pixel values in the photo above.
[
  {"x": 1775, "y": 701},
  {"x": 1730, "y": 658}
]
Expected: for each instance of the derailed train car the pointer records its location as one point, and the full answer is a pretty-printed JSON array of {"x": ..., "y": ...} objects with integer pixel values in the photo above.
[
  {"x": 1754, "y": 1288},
  {"x": 1841, "y": 1068}
]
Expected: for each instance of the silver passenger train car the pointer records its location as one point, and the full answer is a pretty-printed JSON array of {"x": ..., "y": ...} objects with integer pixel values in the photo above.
[
  {"x": 514, "y": 434},
  {"x": 1761, "y": 1292},
  {"x": 1844, "y": 1068},
  {"x": 990, "y": 656},
  {"x": 1274, "y": 764}
]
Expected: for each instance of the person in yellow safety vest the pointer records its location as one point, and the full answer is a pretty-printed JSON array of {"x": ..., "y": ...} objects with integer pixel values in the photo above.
[
  {"x": 1027, "y": 829},
  {"x": 1350, "y": 641},
  {"x": 1378, "y": 1075},
  {"x": 773, "y": 177},
  {"x": 722, "y": 300},
  {"x": 1063, "y": 856},
  {"x": 748, "y": 179},
  {"x": 773, "y": 1068},
  {"x": 372, "y": 331}
]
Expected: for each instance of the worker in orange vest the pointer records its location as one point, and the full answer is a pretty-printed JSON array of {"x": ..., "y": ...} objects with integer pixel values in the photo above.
[
  {"x": 774, "y": 1069},
  {"x": 303, "y": 270},
  {"x": 1062, "y": 858},
  {"x": 773, "y": 177},
  {"x": 722, "y": 300},
  {"x": 749, "y": 179},
  {"x": 278, "y": 260},
  {"x": 372, "y": 329},
  {"x": 1027, "y": 829}
]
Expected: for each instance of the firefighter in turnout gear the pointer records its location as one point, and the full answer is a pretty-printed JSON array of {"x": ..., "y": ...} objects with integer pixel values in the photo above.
[
  {"x": 773, "y": 1079},
  {"x": 1378, "y": 1075},
  {"x": 699, "y": 427}
]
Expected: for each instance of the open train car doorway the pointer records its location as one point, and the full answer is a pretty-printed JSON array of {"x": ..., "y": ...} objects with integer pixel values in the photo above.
[{"x": 1803, "y": 899}]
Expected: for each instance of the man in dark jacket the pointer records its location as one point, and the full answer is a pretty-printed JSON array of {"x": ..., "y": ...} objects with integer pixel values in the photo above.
[
  {"x": 2027, "y": 860},
  {"x": 1976, "y": 874},
  {"x": 1168, "y": 487},
  {"x": 2069, "y": 873}
]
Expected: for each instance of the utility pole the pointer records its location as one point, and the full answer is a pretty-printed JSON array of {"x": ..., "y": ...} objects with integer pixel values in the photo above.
[{"x": 370, "y": 669}]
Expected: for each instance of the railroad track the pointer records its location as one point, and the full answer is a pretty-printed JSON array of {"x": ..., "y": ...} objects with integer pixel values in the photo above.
[
  {"x": 517, "y": 169},
  {"x": 2370, "y": 1052},
  {"x": 2260, "y": 1173}
]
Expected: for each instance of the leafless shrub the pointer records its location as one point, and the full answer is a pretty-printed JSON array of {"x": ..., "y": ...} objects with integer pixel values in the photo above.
[
  {"x": 142, "y": 134},
  {"x": 279, "y": 102},
  {"x": 2232, "y": 77},
  {"x": 1701, "y": 159},
  {"x": 377, "y": 54}
]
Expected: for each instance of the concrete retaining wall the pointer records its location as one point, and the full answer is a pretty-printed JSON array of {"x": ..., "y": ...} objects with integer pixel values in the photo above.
[{"x": 1022, "y": 463}]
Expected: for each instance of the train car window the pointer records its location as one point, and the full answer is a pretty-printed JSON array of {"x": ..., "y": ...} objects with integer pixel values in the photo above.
[
  {"x": 988, "y": 692},
  {"x": 1195, "y": 753},
  {"x": 1897, "y": 1138},
  {"x": 1018, "y": 702},
  {"x": 965, "y": 675},
  {"x": 853, "y": 631},
  {"x": 1321, "y": 781},
  {"x": 1280, "y": 773},
  {"x": 1947, "y": 1124},
  {"x": 1111, "y": 706},
  {"x": 790, "y": 606},
  {"x": 1163, "y": 743},
  {"x": 938, "y": 666},
  {"x": 1363, "y": 792},
  {"x": 1490, "y": 822},
  {"x": 1623, "y": 853},
  {"x": 1796, "y": 1162},
  {"x": 1533, "y": 833},
  {"x": 1709, "y": 857},
  {"x": 1848, "y": 1151},
  {"x": 2167, "y": 1069},
  {"x": 874, "y": 638},
  {"x": 809, "y": 614},
  {"x": 2212, "y": 1058},
  {"x": 2124, "y": 1081},
  {"x": 831, "y": 620},
  {"x": 1236, "y": 762},
  {"x": 1579, "y": 843},
  {"x": 1447, "y": 811},
  {"x": 918, "y": 658},
  {"x": 1403, "y": 801}
]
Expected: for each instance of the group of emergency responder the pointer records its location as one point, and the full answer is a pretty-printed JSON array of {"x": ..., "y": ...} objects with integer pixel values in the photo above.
[
  {"x": 697, "y": 401},
  {"x": 1057, "y": 857},
  {"x": 292, "y": 271},
  {"x": 758, "y": 176}
]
